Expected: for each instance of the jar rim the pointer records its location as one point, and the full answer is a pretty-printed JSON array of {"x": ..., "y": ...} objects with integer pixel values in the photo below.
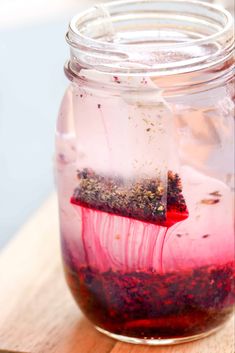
[{"x": 110, "y": 54}]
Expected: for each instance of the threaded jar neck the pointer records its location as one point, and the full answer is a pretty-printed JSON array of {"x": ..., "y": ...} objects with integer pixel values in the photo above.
[{"x": 146, "y": 36}]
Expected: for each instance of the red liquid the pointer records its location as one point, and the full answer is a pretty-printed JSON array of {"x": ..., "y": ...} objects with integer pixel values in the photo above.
[
  {"x": 122, "y": 287},
  {"x": 146, "y": 303}
]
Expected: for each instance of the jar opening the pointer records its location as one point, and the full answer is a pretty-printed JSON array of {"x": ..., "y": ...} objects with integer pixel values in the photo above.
[{"x": 162, "y": 36}]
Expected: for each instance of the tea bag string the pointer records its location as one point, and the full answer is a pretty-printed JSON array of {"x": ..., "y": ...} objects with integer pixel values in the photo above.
[{"x": 107, "y": 24}]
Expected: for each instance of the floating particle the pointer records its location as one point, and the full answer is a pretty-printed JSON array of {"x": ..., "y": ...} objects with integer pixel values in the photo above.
[{"x": 209, "y": 201}]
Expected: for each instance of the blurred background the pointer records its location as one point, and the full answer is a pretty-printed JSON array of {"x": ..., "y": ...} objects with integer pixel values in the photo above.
[{"x": 32, "y": 54}]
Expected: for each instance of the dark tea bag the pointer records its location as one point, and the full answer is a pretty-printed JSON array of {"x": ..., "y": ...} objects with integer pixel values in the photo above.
[{"x": 140, "y": 199}]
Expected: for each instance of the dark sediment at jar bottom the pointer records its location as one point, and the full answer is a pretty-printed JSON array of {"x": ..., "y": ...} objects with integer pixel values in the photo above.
[{"x": 147, "y": 304}]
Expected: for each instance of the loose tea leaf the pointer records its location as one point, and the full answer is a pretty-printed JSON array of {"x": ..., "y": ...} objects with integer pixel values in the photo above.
[
  {"x": 209, "y": 201},
  {"x": 215, "y": 193},
  {"x": 139, "y": 199}
]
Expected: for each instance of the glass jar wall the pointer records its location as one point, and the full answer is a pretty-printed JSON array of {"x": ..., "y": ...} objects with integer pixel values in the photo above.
[{"x": 145, "y": 169}]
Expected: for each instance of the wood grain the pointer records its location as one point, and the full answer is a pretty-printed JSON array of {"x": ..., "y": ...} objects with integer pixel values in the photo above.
[{"x": 37, "y": 312}]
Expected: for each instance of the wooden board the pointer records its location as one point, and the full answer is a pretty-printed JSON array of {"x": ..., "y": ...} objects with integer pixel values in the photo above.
[{"x": 37, "y": 312}]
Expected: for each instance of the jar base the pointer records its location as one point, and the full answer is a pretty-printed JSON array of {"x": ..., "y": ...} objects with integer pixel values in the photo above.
[{"x": 160, "y": 341}]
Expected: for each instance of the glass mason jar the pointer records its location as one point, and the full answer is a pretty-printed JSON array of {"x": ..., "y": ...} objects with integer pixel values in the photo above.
[{"x": 145, "y": 169}]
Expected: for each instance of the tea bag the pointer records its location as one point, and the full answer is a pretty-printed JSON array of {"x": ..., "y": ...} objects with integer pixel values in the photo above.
[{"x": 129, "y": 175}]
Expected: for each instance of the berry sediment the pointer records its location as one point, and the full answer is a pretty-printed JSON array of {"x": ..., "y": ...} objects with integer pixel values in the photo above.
[{"x": 147, "y": 304}]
